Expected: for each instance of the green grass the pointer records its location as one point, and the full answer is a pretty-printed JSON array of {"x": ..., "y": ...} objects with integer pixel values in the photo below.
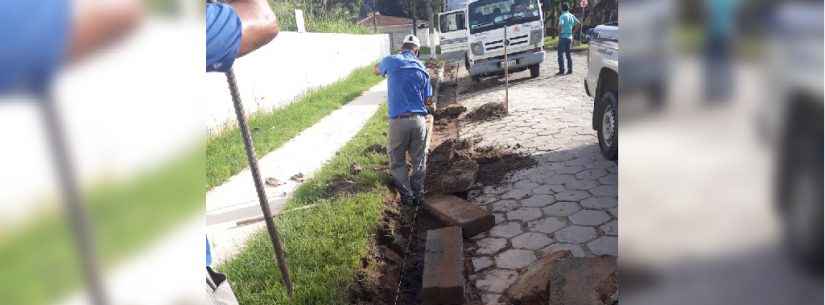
[
  {"x": 334, "y": 20},
  {"x": 40, "y": 264},
  {"x": 324, "y": 244},
  {"x": 225, "y": 152}
]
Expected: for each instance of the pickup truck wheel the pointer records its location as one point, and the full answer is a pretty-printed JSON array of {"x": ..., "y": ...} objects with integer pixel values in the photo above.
[
  {"x": 800, "y": 187},
  {"x": 535, "y": 70},
  {"x": 608, "y": 131}
]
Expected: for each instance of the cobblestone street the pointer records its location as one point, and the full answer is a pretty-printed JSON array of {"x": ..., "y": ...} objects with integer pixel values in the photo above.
[{"x": 567, "y": 201}]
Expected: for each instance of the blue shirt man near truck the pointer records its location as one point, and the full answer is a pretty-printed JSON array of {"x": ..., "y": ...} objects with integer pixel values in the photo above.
[
  {"x": 566, "y": 23},
  {"x": 409, "y": 93}
]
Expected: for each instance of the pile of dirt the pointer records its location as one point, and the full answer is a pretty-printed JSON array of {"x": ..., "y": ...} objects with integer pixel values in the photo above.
[
  {"x": 494, "y": 163},
  {"x": 486, "y": 112},
  {"x": 455, "y": 165},
  {"x": 396, "y": 254},
  {"x": 449, "y": 112},
  {"x": 560, "y": 278},
  {"x": 450, "y": 168}
]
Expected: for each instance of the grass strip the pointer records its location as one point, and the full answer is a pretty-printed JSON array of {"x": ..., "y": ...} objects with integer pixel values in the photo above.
[
  {"x": 225, "y": 152},
  {"x": 40, "y": 264},
  {"x": 324, "y": 244}
]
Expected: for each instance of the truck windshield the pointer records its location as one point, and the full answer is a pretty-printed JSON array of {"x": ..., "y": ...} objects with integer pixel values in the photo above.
[{"x": 486, "y": 15}]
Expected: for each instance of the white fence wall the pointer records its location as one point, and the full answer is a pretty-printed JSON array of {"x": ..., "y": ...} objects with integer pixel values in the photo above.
[{"x": 283, "y": 70}]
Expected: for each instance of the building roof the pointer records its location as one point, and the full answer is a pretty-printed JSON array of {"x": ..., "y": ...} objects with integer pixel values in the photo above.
[{"x": 382, "y": 20}]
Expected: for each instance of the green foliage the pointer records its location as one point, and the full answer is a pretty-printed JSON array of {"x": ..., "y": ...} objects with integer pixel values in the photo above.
[
  {"x": 225, "y": 155},
  {"x": 324, "y": 244},
  {"x": 40, "y": 261},
  {"x": 332, "y": 17}
]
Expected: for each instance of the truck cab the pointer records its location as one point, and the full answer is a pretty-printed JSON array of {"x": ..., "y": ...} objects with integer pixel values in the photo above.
[
  {"x": 602, "y": 83},
  {"x": 477, "y": 33}
]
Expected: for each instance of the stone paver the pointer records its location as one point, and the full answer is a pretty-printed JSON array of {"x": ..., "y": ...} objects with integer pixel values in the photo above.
[
  {"x": 504, "y": 205},
  {"x": 490, "y": 245},
  {"x": 599, "y": 202},
  {"x": 562, "y": 209},
  {"x": 515, "y": 259},
  {"x": 546, "y": 225},
  {"x": 524, "y": 214},
  {"x": 568, "y": 201},
  {"x": 575, "y": 234},
  {"x": 496, "y": 280},
  {"x": 576, "y": 250},
  {"x": 572, "y": 195},
  {"x": 538, "y": 201},
  {"x": 531, "y": 241},
  {"x": 610, "y": 228},
  {"x": 506, "y": 230},
  {"x": 605, "y": 245},
  {"x": 589, "y": 218},
  {"x": 481, "y": 263}
]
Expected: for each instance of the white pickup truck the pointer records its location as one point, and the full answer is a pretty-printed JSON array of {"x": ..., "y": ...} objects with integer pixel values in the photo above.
[
  {"x": 790, "y": 117},
  {"x": 602, "y": 83},
  {"x": 474, "y": 31}
]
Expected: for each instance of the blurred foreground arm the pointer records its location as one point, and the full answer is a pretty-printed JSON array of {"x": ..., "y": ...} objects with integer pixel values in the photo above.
[
  {"x": 96, "y": 24},
  {"x": 236, "y": 29},
  {"x": 39, "y": 37}
]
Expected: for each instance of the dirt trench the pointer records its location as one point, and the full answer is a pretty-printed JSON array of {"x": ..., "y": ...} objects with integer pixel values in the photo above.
[{"x": 397, "y": 252}]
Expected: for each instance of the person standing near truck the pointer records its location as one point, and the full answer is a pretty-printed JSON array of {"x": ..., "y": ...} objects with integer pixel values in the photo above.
[
  {"x": 566, "y": 23},
  {"x": 409, "y": 93}
]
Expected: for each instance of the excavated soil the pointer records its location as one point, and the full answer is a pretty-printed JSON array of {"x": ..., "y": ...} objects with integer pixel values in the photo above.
[
  {"x": 487, "y": 112},
  {"x": 495, "y": 163},
  {"x": 397, "y": 253}
]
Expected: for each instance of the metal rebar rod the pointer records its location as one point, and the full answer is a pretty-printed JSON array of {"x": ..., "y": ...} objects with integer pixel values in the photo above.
[
  {"x": 506, "y": 71},
  {"x": 73, "y": 201},
  {"x": 280, "y": 255}
]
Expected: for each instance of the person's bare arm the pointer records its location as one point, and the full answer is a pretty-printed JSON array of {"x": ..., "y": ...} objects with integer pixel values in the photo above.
[
  {"x": 260, "y": 25},
  {"x": 377, "y": 70},
  {"x": 96, "y": 24}
]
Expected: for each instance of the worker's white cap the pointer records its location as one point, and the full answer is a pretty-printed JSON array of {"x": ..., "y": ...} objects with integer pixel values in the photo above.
[{"x": 412, "y": 40}]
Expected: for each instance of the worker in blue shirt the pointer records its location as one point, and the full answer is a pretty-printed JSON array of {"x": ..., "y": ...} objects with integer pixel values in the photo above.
[
  {"x": 409, "y": 93},
  {"x": 566, "y": 23},
  {"x": 234, "y": 29}
]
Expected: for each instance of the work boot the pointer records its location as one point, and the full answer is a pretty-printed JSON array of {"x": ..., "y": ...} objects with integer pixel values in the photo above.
[
  {"x": 560, "y": 73},
  {"x": 570, "y": 72}
]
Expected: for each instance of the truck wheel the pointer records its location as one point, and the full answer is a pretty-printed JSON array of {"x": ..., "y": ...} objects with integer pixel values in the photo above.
[
  {"x": 535, "y": 70},
  {"x": 608, "y": 131},
  {"x": 799, "y": 190}
]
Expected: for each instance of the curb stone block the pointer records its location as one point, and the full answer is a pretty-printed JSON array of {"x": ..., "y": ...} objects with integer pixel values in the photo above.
[
  {"x": 443, "y": 278},
  {"x": 459, "y": 212}
]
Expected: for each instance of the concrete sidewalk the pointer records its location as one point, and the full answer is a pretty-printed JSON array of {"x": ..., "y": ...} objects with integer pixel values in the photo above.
[{"x": 236, "y": 199}]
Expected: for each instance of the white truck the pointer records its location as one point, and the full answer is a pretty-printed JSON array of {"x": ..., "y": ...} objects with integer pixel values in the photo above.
[
  {"x": 474, "y": 31},
  {"x": 602, "y": 83}
]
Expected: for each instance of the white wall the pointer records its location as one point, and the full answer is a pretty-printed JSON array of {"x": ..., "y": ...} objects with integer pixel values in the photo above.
[{"x": 283, "y": 70}]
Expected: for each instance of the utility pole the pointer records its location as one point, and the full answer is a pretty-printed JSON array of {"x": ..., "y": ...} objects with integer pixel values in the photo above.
[
  {"x": 506, "y": 70},
  {"x": 414, "y": 20},
  {"x": 375, "y": 16}
]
